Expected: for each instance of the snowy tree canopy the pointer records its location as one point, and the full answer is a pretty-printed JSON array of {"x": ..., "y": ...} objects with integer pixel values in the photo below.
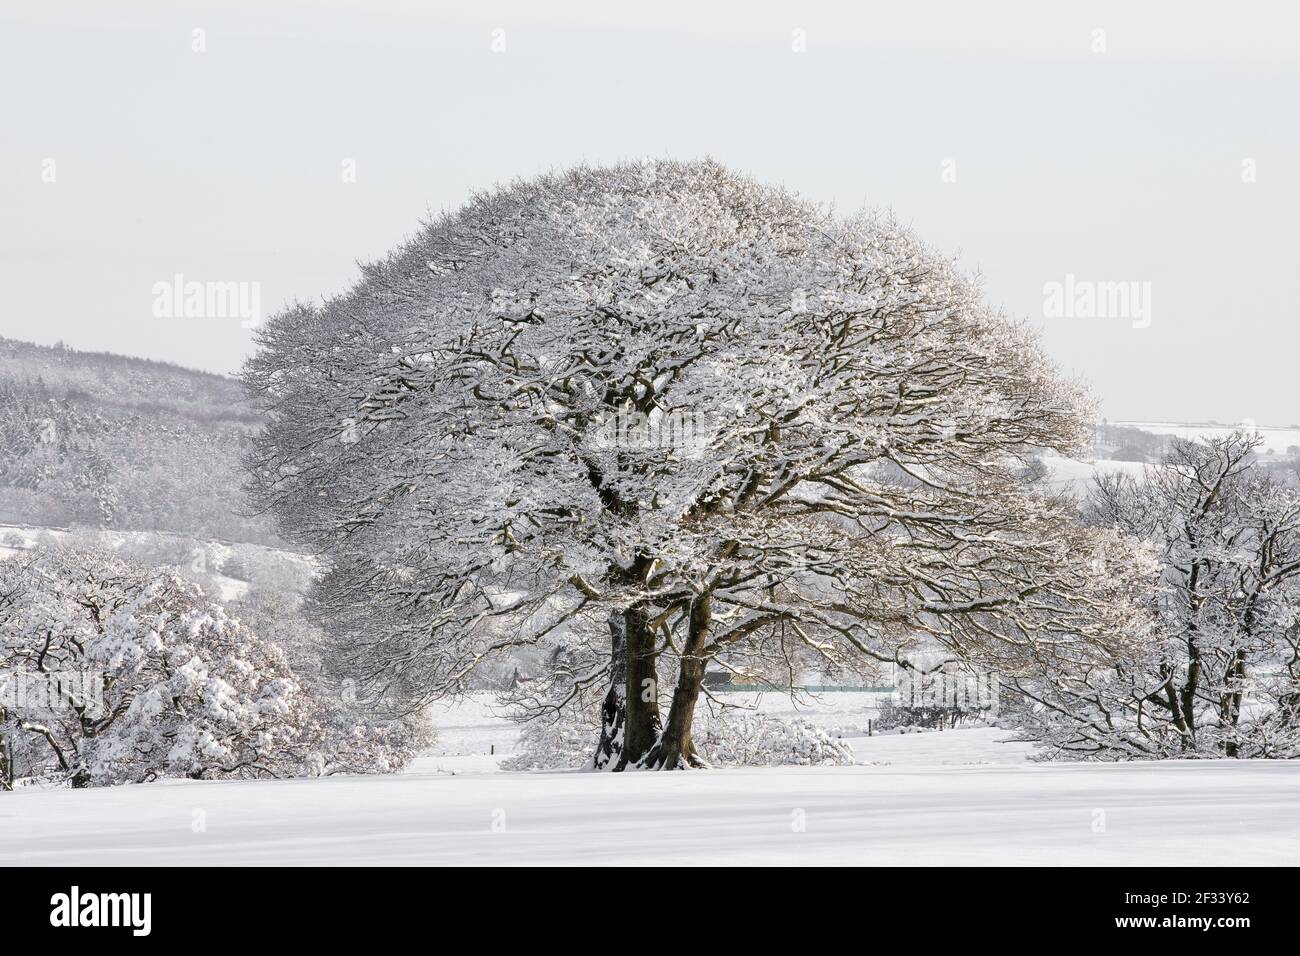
[{"x": 700, "y": 408}]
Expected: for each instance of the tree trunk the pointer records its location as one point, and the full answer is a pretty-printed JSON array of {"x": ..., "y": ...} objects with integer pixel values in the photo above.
[
  {"x": 630, "y": 721},
  {"x": 643, "y": 721},
  {"x": 1231, "y": 708},
  {"x": 613, "y": 713},
  {"x": 675, "y": 750},
  {"x": 6, "y": 759}
]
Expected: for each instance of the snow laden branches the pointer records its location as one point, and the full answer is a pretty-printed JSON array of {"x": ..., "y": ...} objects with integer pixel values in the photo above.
[
  {"x": 114, "y": 673},
  {"x": 1223, "y": 680},
  {"x": 655, "y": 415}
]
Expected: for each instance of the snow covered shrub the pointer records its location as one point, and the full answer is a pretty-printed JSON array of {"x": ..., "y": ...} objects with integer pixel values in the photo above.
[
  {"x": 120, "y": 674},
  {"x": 893, "y": 716},
  {"x": 346, "y": 733},
  {"x": 736, "y": 739},
  {"x": 116, "y": 673},
  {"x": 554, "y": 742},
  {"x": 728, "y": 739},
  {"x": 936, "y": 691}
]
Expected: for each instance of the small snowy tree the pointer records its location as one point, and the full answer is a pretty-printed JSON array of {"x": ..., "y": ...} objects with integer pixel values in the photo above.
[
  {"x": 126, "y": 675},
  {"x": 116, "y": 673},
  {"x": 736, "y": 738},
  {"x": 693, "y": 413},
  {"x": 1223, "y": 679}
]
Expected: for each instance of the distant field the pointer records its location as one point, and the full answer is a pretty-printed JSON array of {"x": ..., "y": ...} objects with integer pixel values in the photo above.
[
  {"x": 205, "y": 561},
  {"x": 1276, "y": 439},
  {"x": 1067, "y": 474}
]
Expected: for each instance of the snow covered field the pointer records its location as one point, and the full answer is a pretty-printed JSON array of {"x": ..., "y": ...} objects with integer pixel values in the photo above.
[
  {"x": 1276, "y": 440},
  {"x": 17, "y": 539},
  {"x": 1076, "y": 477},
  {"x": 937, "y": 798}
]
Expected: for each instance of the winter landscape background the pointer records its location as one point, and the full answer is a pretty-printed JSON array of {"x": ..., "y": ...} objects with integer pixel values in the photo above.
[{"x": 446, "y": 435}]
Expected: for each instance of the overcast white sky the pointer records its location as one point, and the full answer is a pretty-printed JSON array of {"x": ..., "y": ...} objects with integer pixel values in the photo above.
[{"x": 1122, "y": 165}]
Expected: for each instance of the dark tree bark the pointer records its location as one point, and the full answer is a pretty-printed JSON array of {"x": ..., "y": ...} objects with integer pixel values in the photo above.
[
  {"x": 6, "y": 757},
  {"x": 642, "y": 689},
  {"x": 630, "y": 722},
  {"x": 675, "y": 750},
  {"x": 613, "y": 713}
]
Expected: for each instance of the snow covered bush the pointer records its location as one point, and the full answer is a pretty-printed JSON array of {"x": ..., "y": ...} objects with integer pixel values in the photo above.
[
  {"x": 111, "y": 673},
  {"x": 346, "y": 733},
  {"x": 119, "y": 674},
  {"x": 892, "y": 716},
  {"x": 941, "y": 697},
  {"x": 729, "y": 738},
  {"x": 741, "y": 739},
  {"x": 556, "y": 741}
]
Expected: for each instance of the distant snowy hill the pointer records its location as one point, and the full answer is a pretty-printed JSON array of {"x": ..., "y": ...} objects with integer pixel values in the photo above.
[
  {"x": 1277, "y": 440},
  {"x": 98, "y": 440},
  {"x": 1135, "y": 445}
]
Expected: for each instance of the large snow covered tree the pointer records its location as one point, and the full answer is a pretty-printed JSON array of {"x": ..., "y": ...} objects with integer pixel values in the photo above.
[
  {"x": 699, "y": 413},
  {"x": 1223, "y": 680}
]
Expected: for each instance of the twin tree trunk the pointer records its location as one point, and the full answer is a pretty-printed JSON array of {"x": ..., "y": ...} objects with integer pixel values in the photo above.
[{"x": 632, "y": 733}]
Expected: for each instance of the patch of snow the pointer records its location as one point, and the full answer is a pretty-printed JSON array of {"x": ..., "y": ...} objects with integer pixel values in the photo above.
[
  {"x": 951, "y": 797},
  {"x": 1069, "y": 475}
]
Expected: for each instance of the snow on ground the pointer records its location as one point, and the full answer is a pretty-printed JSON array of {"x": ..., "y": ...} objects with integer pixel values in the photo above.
[
  {"x": 474, "y": 735},
  {"x": 975, "y": 746},
  {"x": 1067, "y": 474},
  {"x": 469, "y": 731},
  {"x": 952, "y": 797},
  {"x": 1173, "y": 813}
]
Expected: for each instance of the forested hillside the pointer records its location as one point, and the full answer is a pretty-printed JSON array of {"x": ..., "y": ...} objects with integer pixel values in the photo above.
[{"x": 101, "y": 440}]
